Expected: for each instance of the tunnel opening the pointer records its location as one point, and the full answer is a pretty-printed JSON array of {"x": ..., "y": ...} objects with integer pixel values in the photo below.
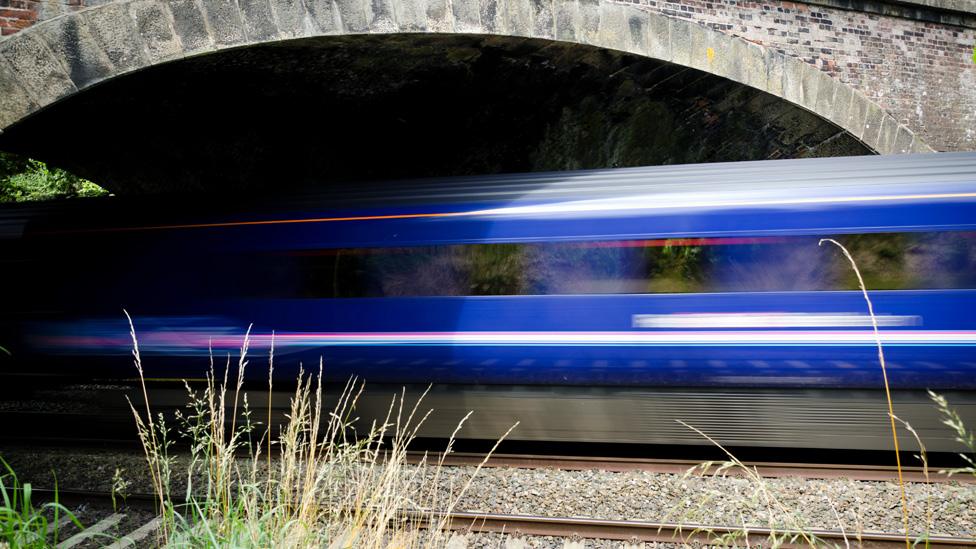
[{"x": 328, "y": 110}]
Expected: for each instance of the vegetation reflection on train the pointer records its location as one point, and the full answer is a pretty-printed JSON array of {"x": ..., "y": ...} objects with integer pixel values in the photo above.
[{"x": 888, "y": 261}]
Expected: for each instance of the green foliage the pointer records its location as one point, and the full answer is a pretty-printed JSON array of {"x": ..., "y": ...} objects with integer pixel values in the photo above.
[
  {"x": 23, "y": 179},
  {"x": 494, "y": 269},
  {"x": 675, "y": 268},
  {"x": 21, "y": 523}
]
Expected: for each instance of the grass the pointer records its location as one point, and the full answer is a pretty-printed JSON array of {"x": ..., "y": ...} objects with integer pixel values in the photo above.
[
  {"x": 329, "y": 486},
  {"x": 783, "y": 523},
  {"x": 963, "y": 436},
  {"x": 23, "y": 524}
]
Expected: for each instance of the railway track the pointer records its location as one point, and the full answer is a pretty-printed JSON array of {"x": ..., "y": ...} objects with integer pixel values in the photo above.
[
  {"x": 678, "y": 466},
  {"x": 878, "y": 473},
  {"x": 571, "y": 528}
]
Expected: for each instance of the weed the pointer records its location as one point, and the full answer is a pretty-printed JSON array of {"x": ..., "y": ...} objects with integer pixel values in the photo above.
[
  {"x": 327, "y": 488},
  {"x": 951, "y": 419},
  {"x": 120, "y": 488},
  {"x": 22, "y": 524}
]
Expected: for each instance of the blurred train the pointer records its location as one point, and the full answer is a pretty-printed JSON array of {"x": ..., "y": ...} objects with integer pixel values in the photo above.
[{"x": 591, "y": 305}]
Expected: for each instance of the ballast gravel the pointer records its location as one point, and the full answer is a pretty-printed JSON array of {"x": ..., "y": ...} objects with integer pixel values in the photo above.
[
  {"x": 794, "y": 503},
  {"x": 856, "y": 506}
]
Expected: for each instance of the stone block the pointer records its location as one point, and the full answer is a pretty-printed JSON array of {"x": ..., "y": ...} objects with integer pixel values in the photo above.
[
  {"x": 518, "y": 17},
  {"x": 412, "y": 15},
  {"x": 748, "y": 58},
  {"x": 543, "y": 22},
  {"x": 439, "y": 16},
  {"x": 224, "y": 18},
  {"x": 775, "y": 63},
  {"x": 638, "y": 22},
  {"x": 903, "y": 141},
  {"x": 259, "y": 23},
  {"x": 190, "y": 26},
  {"x": 490, "y": 16},
  {"x": 700, "y": 42},
  {"x": 352, "y": 14},
  {"x": 567, "y": 19},
  {"x": 291, "y": 18},
  {"x": 857, "y": 116},
  {"x": 382, "y": 15},
  {"x": 659, "y": 37},
  {"x": 810, "y": 80},
  {"x": 324, "y": 16},
  {"x": 589, "y": 21},
  {"x": 840, "y": 109},
  {"x": 726, "y": 56},
  {"x": 612, "y": 32},
  {"x": 36, "y": 68},
  {"x": 826, "y": 91},
  {"x": 679, "y": 32},
  {"x": 793, "y": 71},
  {"x": 153, "y": 24},
  {"x": 872, "y": 125},
  {"x": 919, "y": 146},
  {"x": 467, "y": 15},
  {"x": 114, "y": 31},
  {"x": 886, "y": 138},
  {"x": 68, "y": 38},
  {"x": 15, "y": 100}
]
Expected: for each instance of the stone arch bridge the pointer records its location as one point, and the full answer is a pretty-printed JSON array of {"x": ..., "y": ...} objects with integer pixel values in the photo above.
[{"x": 146, "y": 95}]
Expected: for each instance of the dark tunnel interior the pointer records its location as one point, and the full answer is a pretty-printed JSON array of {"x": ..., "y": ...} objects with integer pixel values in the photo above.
[{"x": 330, "y": 110}]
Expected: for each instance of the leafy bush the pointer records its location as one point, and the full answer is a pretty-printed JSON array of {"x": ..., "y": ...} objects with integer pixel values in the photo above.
[{"x": 23, "y": 179}]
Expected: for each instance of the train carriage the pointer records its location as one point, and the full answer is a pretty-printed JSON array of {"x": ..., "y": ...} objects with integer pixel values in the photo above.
[{"x": 581, "y": 286}]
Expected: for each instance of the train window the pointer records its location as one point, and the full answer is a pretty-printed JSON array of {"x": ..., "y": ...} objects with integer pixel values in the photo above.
[{"x": 762, "y": 264}]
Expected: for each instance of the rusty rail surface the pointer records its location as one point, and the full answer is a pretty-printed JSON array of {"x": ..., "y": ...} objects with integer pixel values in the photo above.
[{"x": 677, "y": 466}]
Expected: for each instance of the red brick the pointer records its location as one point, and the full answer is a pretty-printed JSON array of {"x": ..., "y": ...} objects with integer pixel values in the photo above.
[{"x": 16, "y": 13}]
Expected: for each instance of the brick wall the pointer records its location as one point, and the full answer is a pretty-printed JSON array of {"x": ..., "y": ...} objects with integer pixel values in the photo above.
[
  {"x": 921, "y": 72},
  {"x": 16, "y": 15},
  {"x": 20, "y": 14}
]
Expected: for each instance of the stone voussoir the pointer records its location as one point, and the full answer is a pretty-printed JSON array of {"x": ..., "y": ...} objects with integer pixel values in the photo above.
[
  {"x": 225, "y": 22},
  {"x": 323, "y": 17},
  {"x": 873, "y": 118},
  {"x": 69, "y": 39},
  {"x": 903, "y": 140},
  {"x": 439, "y": 16},
  {"x": 190, "y": 26},
  {"x": 258, "y": 20},
  {"x": 153, "y": 23},
  {"x": 886, "y": 139},
  {"x": 490, "y": 16},
  {"x": 614, "y": 30},
  {"x": 467, "y": 15},
  {"x": 826, "y": 92},
  {"x": 659, "y": 38},
  {"x": 36, "y": 67},
  {"x": 115, "y": 32},
  {"x": 566, "y": 15},
  {"x": 381, "y": 16},
  {"x": 16, "y": 101}
]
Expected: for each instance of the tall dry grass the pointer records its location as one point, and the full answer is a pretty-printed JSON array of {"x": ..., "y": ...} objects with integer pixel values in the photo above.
[
  {"x": 327, "y": 486},
  {"x": 784, "y": 523}
]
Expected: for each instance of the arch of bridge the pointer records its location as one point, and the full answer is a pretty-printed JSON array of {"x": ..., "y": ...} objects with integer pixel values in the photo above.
[{"x": 63, "y": 56}]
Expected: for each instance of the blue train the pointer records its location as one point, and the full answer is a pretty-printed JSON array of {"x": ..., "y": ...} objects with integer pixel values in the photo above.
[{"x": 698, "y": 281}]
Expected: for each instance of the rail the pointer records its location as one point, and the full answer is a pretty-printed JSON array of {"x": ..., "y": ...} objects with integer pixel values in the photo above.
[{"x": 587, "y": 528}]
